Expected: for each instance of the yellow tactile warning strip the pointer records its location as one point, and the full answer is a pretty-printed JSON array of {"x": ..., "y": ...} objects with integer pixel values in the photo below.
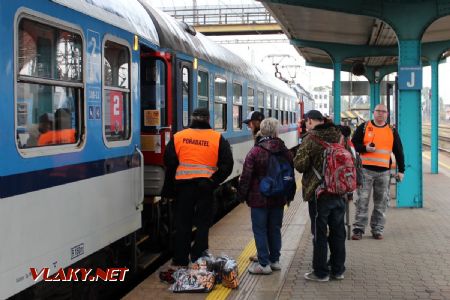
[
  {"x": 220, "y": 292},
  {"x": 440, "y": 163}
]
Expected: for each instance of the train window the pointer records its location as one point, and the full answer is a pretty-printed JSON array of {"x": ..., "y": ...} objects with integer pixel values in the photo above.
[
  {"x": 49, "y": 85},
  {"x": 220, "y": 103},
  {"x": 261, "y": 101},
  {"x": 153, "y": 93},
  {"x": 185, "y": 95},
  {"x": 203, "y": 89},
  {"x": 237, "y": 106},
  {"x": 269, "y": 105},
  {"x": 250, "y": 99},
  {"x": 116, "y": 94},
  {"x": 276, "y": 106}
]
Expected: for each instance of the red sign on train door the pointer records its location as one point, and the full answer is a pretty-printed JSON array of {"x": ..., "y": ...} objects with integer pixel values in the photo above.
[{"x": 116, "y": 111}]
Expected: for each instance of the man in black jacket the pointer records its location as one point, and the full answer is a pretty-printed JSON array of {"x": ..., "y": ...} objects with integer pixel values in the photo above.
[{"x": 197, "y": 160}]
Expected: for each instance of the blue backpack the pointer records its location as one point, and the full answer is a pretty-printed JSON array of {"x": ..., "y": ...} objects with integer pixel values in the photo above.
[{"x": 280, "y": 177}]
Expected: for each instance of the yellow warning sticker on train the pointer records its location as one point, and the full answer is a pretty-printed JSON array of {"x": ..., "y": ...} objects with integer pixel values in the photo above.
[{"x": 152, "y": 117}]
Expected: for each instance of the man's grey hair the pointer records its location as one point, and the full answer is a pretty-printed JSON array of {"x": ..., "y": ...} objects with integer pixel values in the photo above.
[{"x": 269, "y": 127}]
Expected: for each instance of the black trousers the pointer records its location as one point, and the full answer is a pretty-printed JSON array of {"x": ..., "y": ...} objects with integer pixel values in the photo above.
[
  {"x": 327, "y": 215},
  {"x": 193, "y": 204}
]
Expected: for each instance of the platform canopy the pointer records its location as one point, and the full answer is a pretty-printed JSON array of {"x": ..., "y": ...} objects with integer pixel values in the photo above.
[{"x": 313, "y": 26}]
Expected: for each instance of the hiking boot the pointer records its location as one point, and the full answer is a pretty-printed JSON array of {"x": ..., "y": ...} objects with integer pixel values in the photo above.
[
  {"x": 357, "y": 235},
  {"x": 377, "y": 236},
  {"x": 275, "y": 266},
  {"x": 337, "y": 276},
  {"x": 253, "y": 258},
  {"x": 313, "y": 277},
  {"x": 256, "y": 268}
]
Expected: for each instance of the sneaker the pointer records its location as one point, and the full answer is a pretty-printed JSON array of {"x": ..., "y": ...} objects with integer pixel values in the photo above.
[
  {"x": 357, "y": 235},
  {"x": 256, "y": 268},
  {"x": 313, "y": 277},
  {"x": 275, "y": 266},
  {"x": 337, "y": 276},
  {"x": 253, "y": 258},
  {"x": 377, "y": 236}
]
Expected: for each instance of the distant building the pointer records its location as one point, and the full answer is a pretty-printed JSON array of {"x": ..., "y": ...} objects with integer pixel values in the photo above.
[
  {"x": 447, "y": 112},
  {"x": 322, "y": 100}
]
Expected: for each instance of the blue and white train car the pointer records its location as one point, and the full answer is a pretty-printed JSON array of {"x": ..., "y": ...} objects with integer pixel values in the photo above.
[
  {"x": 92, "y": 92},
  {"x": 209, "y": 75},
  {"x": 68, "y": 68}
]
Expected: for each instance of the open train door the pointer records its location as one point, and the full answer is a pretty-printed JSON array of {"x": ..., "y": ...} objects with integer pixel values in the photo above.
[
  {"x": 184, "y": 93},
  {"x": 156, "y": 115}
]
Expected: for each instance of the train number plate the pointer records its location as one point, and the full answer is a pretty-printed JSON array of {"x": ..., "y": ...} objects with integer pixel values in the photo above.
[{"x": 77, "y": 251}]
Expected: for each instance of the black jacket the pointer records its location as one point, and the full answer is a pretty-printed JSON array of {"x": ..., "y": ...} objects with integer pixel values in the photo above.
[
  {"x": 397, "y": 148},
  {"x": 224, "y": 163}
]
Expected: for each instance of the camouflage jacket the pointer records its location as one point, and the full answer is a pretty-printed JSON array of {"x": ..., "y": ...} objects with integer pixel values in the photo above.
[{"x": 310, "y": 153}]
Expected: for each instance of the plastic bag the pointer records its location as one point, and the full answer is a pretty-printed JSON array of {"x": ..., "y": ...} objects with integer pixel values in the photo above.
[
  {"x": 230, "y": 274},
  {"x": 193, "y": 281}
]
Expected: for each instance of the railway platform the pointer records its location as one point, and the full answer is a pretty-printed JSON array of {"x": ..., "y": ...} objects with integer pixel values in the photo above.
[{"x": 410, "y": 263}]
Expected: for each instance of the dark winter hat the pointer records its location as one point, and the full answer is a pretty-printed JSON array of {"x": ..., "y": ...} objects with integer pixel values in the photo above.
[
  {"x": 201, "y": 113},
  {"x": 314, "y": 115},
  {"x": 254, "y": 116}
]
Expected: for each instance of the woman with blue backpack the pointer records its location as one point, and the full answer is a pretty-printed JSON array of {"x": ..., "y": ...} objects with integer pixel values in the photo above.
[{"x": 267, "y": 183}]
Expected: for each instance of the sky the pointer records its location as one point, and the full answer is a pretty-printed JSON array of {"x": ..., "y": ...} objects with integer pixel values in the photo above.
[{"x": 265, "y": 54}]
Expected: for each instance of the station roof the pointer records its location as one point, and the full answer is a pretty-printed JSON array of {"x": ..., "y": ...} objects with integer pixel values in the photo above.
[{"x": 312, "y": 24}]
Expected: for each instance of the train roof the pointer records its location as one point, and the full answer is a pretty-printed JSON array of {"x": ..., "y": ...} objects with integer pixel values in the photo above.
[
  {"x": 176, "y": 35},
  {"x": 128, "y": 15}
]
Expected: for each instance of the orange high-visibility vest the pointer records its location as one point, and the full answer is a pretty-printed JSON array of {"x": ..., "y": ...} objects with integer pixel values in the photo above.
[
  {"x": 198, "y": 152},
  {"x": 383, "y": 138},
  {"x": 55, "y": 137}
]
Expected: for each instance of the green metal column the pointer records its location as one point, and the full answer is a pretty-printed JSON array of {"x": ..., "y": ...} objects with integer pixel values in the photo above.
[
  {"x": 337, "y": 92},
  {"x": 372, "y": 100},
  {"x": 434, "y": 116},
  {"x": 377, "y": 98},
  {"x": 409, "y": 192}
]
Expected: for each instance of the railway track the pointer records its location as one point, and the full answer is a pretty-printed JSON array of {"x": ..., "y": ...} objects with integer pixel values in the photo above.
[{"x": 444, "y": 136}]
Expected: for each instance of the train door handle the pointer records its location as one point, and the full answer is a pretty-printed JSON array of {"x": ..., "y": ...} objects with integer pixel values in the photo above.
[{"x": 141, "y": 181}]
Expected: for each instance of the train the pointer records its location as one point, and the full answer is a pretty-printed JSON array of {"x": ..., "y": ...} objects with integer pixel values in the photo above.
[{"x": 93, "y": 90}]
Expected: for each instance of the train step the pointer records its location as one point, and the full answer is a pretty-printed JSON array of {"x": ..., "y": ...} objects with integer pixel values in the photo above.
[
  {"x": 147, "y": 259},
  {"x": 142, "y": 239}
]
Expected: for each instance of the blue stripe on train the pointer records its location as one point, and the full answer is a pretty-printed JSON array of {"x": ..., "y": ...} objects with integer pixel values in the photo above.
[{"x": 18, "y": 184}]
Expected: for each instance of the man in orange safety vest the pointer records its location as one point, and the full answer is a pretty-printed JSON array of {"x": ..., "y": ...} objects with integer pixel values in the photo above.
[
  {"x": 199, "y": 159},
  {"x": 375, "y": 141}
]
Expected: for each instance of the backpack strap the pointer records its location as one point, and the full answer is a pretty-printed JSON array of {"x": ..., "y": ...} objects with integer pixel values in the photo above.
[{"x": 316, "y": 139}]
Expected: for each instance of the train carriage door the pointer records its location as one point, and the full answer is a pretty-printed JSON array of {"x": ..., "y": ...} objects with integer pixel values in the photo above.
[
  {"x": 156, "y": 115},
  {"x": 184, "y": 91}
]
